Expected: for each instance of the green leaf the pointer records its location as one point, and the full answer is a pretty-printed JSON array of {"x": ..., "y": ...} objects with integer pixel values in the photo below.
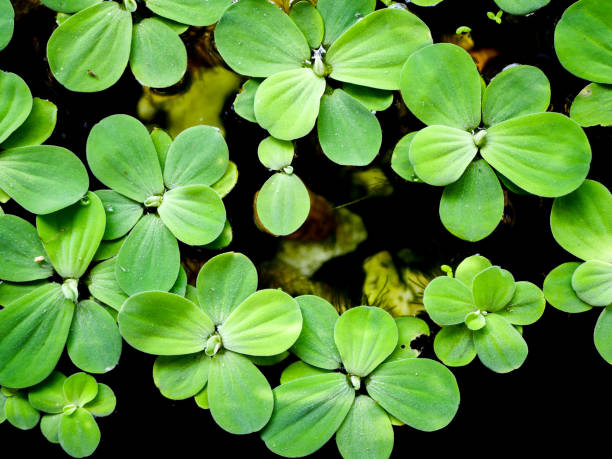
[
  {"x": 521, "y": 6},
  {"x": 349, "y": 133},
  {"x": 470, "y": 267},
  {"x": 287, "y": 103},
  {"x": 270, "y": 44},
  {"x": 98, "y": 58},
  {"x": 3, "y": 399},
  {"x": 149, "y": 258},
  {"x": 409, "y": 329},
  {"x": 441, "y": 85},
  {"x": 299, "y": 370},
  {"x": 307, "y": 413},
  {"x": 80, "y": 389},
  {"x": 108, "y": 249},
  {"x": 500, "y": 347},
  {"x": 310, "y": 22},
  {"x": 581, "y": 222},
  {"x": 10, "y": 292},
  {"x": 33, "y": 331},
  {"x": 593, "y": 106},
  {"x": 588, "y": 59},
  {"x": 103, "y": 286},
  {"x": 592, "y": 282},
  {"x": 180, "y": 377},
  {"x": 526, "y": 306},
  {"x": 20, "y": 250},
  {"x": 517, "y": 91},
  {"x": 441, "y": 154},
  {"x": 366, "y": 431},
  {"x": 71, "y": 236},
  {"x": 223, "y": 283},
  {"x": 158, "y": 57},
  {"x": 195, "y": 214},
  {"x": 49, "y": 426},
  {"x": 268, "y": 361},
  {"x": 472, "y": 207},
  {"x": 7, "y": 23},
  {"x": 68, "y": 6},
  {"x": 493, "y": 289},
  {"x": 239, "y": 395},
  {"x": 275, "y": 154},
  {"x": 603, "y": 334},
  {"x": 104, "y": 403},
  {"x": 448, "y": 300},
  {"x": 164, "y": 324},
  {"x": 373, "y": 99},
  {"x": 365, "y": 336},
  {"x": 316, "y": 345},
  {"x": 48, "y": 396},
  {"x": 37, "y": 127},
  {"x": 20, "y": 413},
  {"x": 94, "y": 342},
  {"x": 228, "y": 180},
  {"x": 372, "y": 51},
  {"x": 244, "y": 105},
  {"x": 267, "y": 323},
  {"x": 400, "y": 160},
  {"x": 339, "y": 15},
  {"x": 180, "y": 286},
  {"x": 79, "y": 434},
  {"x": 551, "y": 161},
  {"x": 15, "y": 103},
  {"x": 559, "y": 292},
  {"x": 283, "y": 204},
  {"x": 422, "y": 393},
  {"x": 42, "y": 178},
  {"x": 121, "y": 213},
  {"x": 191, "y": 12},
  {"x": 454, "y": 345},
  {"x": 122, "y": 155},
  {"x": 162, "y": 141}
]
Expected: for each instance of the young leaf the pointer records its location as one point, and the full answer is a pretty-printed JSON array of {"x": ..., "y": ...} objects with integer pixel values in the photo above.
[
  {"x": 191, "y": 12},
  {"x": 493, "y": 289},
  {"x": 182, "y": 376},
  {"x": 454, "y": 345},
  {"x": 15, "y": 103},
  {"x": 526, "y": 306},
  {"x": 103, "y": 286},
  {"x": 559, "y": 292},
  {"x": 592, "y": 282},
  {"x": 104, "y": 403},
  {"x": 80, "y": 389},
  {"x": 49, "y": 426},
  {"x": 48, "y": 396},
  {"x": 121, "y": 213},
  {"x": 448, "y": 300},
  {"x": 500, "y": 347},
  {"x": 36, "y": 128},
  {"x": 603, "y": 334},
  {"x": 244, "y": 105},
  {"x": 339, "y": 15},
  {"x": 20, "y": 413},
  {"x": 310, "y": 22},
  {"x": 593, "y": 106},
  {"x": 228, "y": 180},
  {"x": 470, "y": 267},
  {"x": 78, "y": 433},
  {"x": 400, "y": 160},
  {"x": 275, "y": 154}
]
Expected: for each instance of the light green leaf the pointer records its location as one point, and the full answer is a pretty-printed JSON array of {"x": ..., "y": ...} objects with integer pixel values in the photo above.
[
  {"x": 104, "y": 403},
  {"x": 521, "y": 6},
  {"x": 287, "y": 103},
  {"x": 180, "y": 286},
  {"x": 350, "y": 135},
  {"x": 422, "y": 393},
  {"x": 48, "y": 396},
  {"x": 122, "y": 155},
  {"x": 79, "y": 434},
  {"x": 180, "y": 377},
  {"x": 164, "y": 324},
  {"x": 267, "y": 323},
  {"x": 299, "y": 370},
  {"x": 228, "y": 180},
  {"x": 307, "y": 413},
  {"x": 551, "y": 161},
  {"x": 310, "y": 22},
  {"x": 223, "y": 283},
  {"x": 372, "y": 51},
  {"x": 198, "y": 156},
  {"x": 162, "y": 141},
  {"x": 441, "y": 154},
  {"x": 500, "y": 347},
  {"x": 373, "y": 99},
  {"x": 592, "y": 282},
  {"x": 275, "y": 154},
  {"x": 257, "y": 39},
  {"x": 191, "y": 12},
  {"x": 409, "y": 328},
  {"x": 268, "y": 361},
  {"x": 493, "y": 288},
  {"x": 80, "y": 389},
  {"x": 72, "y": 235},
  {"x": 593, "y": 106},
  {"x": 20, "y": 413},
  {"x": 103, "y": 286},
  {"x": 98, "y": 58},
  {"x": 15, "y": 103},
  {"x": 448, "y": 300},
  {"x": 33, "y": 331},
  {"x": 400, "y": 160},
  {"x": 36, "y": 128},
  {"x": 441, "y": 85},
  {"x": 365, "y": 336},
  {"x": 149, "y": 259},
  {"x": 108, "y": 249},
  {"x": 239, "y": 396},
  {"x": 244, "y": 105},
  {"x": 454, "y": 345},
  {"x": 559, "y": 292},
  {"x": 283, "y": 204},
  {"x": 470, "y": 267},
  {"x": 49, "y": 426},
  {"x": 7, "y": 23},
  {"x": 526, "y": 306},
  {"x": 339, "y": 15},
  {"x": 68, "y": 6},
  {"x": 603, "y": 334},
  {"x": 121, "y": 213}
]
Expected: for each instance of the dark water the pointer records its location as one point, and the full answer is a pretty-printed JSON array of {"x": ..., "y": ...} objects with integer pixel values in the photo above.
[{"x": 558, "y": 398}]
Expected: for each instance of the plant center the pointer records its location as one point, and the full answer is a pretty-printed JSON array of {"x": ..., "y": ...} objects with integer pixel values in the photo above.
[
  {"x": 154, "y": 200},
  {"x": 70, "y": 289},
  {"x": 213, "y": 344}
]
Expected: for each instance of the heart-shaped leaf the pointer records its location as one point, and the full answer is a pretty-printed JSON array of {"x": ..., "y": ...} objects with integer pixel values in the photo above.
[
  {"x": 448, "y": 300},
  {"x": 78, "y": 433},
  {"x": 454, "y": 345},
  {"x": 181, "y": 376},
  {"x": 500, "y": 347},
  {"x": 80, "y": 389}
]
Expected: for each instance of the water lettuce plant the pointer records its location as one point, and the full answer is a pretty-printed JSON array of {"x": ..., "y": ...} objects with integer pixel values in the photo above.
[
  {"x": 301, "y": 57},
  {"x": 581, "y": 223},
  {"x": 207, "y": 344},
  {"x": 40, "y": 178},
  {"x": 7, "y": 23},
  {"x": 160, "y": 191},
  {"x": 283, "y": 203},
  {"x": 482, "y": 311},
  {"x": 474, "y": 131},
  {"x": 40, "y": 315},
  {"x": 356, "y": 375},
  {"x": 71, "y": 405},
  {"x": 590, "y": 59}
]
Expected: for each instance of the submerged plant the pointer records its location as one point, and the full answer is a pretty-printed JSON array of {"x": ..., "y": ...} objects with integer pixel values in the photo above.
[
  {"x": 41, "y": 316},
  {"x": 358, "y": 371},
  {"x": 300, "y": 56},
  {"x": 161, "y": 191},
  {"x": 7, "y": 23},
  {"x": 40, "y": 178},
  {"x": 546, "y": 154},
  {"x": 481, "y": 309},
  {"x": 581, "y": 223},
  {"x": 207, "y": 345},
  {"x": 71, "y": 405}
]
